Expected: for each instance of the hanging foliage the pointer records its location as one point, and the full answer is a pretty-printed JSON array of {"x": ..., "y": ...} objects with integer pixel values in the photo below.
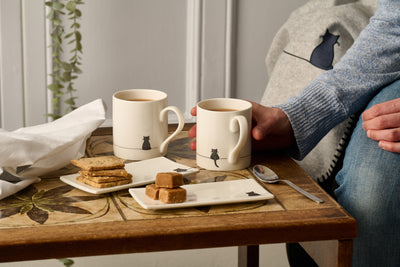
[{"x": 64, "y": 72}]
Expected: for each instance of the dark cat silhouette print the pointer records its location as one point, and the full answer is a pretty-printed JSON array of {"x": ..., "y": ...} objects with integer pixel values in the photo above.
[
  {"x": 214, "y": 156},
  {"x": 322, "y": 55},
  {"x": 146, "y": 143}
]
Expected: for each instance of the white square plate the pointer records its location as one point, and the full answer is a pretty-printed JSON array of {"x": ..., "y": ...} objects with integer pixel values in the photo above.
[
  {"x": 143, "y": 172},
  {"x": 205, "y": 194}
]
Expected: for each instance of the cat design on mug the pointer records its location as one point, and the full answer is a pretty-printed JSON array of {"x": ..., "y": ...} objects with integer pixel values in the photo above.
[
  {"x": 146, "y": 143},
  {"x": 214, "y": 156}
]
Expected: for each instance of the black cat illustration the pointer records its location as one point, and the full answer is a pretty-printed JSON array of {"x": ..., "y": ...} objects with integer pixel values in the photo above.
[
  {"x": 214, "y": 156},
  {"x": 322, "y": 55},
  {"x": 146, "y": 143}
]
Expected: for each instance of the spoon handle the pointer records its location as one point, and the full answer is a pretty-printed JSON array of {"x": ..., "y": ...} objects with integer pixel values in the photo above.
[{"x": 304, "y": 192}]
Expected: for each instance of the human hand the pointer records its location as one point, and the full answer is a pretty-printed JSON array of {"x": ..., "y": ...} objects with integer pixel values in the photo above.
[
  {"x": 382, "y": 123},
  {"x": 192, "y": 131},
  {"x": 271, "y": 128}
]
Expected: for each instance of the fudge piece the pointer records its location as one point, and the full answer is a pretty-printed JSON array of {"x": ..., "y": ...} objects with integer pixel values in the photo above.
[
  {"x": 172, "y": 195},
  {"x": 152, "y": 191},
  {"x": 169, "y": 179}
]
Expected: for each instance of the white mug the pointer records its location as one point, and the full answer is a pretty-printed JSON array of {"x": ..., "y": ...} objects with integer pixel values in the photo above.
[
  {"x": 140, "y": 123},
  {"x": 223, "y": 140}
]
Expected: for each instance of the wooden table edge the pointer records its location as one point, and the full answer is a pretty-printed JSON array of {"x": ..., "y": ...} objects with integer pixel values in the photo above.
[{"x": 171, "y": 234}]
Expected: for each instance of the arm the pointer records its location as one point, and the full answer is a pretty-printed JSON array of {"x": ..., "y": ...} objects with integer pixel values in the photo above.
[{"x": 370, "y": 64}]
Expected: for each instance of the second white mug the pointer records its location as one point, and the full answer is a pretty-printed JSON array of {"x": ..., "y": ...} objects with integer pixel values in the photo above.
[{"x": 223, "y": 140}]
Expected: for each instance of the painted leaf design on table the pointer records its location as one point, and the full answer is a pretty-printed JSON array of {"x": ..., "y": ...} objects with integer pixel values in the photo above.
[{"x": 37, "y": 205}]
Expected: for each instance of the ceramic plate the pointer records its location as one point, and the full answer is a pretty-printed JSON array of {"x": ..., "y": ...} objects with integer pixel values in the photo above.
[
  {"x": 143, "y": 172},
  {"x": 205, "y": 194}
]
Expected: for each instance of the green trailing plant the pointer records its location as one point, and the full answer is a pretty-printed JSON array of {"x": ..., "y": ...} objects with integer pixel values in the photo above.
[{"x": 64, "y": 72}]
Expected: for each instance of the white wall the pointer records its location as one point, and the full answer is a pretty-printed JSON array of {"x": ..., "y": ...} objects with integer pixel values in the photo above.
[{"x": 192, "y": 49}]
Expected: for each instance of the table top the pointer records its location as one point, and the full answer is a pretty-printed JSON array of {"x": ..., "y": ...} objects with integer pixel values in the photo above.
[{"x": 51, "y": 219}]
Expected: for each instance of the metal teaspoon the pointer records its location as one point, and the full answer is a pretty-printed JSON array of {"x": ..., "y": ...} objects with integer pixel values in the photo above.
[{"x": 265, "y": 174}]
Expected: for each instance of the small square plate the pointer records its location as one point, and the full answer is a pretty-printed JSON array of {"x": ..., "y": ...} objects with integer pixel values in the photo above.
[
  {"x": 206, "y": 194},
  {"x": 143, "y": 172}
]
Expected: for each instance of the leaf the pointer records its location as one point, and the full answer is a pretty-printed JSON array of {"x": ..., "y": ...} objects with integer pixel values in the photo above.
[
  {"x": 78, "y": 13},
  {"x": 69, "y": 209},
  {"x": 26, "y": 208},
  {"x": 71, "y": 6},
  {"x": 38, "y": 195},
  {"x": 53, "y": 87},
  {"x": 75, "y": 25},
  {"x": 53, "y": 116},
  {"x": 38, "y": 215},
  {"x": 50, "y": 15},
  {"x": 57, "y": 5},
  {"x": 66, "y": 262},
  {"x": 70, "y": 101},
  {"x": 66, "y": 66},
  {"x": 78, "y": 36},
  {"x": 58, "y": 191},
  {"x": 4, "y": 213},
  {"x": 79, "y": 46},
  {"x": 77, "y": 70},
  {"x": 67, "y": 76}
]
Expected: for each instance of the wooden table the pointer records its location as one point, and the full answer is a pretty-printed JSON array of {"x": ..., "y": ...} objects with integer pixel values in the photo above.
[{"x": 53, "y": 220}]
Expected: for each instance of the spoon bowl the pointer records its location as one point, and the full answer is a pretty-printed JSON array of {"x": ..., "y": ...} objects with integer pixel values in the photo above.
[{"x": 267, "y": 175}]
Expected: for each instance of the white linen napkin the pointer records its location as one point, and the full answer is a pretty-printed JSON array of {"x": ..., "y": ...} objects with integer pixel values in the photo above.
[{"x": 29, "y": 152}]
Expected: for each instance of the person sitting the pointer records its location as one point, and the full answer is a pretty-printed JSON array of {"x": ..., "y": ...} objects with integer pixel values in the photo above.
[{"x": 366, "y": 80}]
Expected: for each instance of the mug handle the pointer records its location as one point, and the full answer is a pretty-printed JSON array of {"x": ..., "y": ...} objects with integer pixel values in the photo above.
[
  {"x": 181, "y": 119},
  {"x": 238, "y": 123}
]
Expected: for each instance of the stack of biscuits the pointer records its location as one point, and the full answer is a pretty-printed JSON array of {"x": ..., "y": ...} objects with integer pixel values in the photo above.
[
  {"x": 102, "y": 172},
  {"x": 167, "y": 188}
]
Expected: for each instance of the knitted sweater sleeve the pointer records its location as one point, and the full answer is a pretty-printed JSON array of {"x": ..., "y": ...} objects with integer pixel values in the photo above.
[{"x": 371, "y": 63}]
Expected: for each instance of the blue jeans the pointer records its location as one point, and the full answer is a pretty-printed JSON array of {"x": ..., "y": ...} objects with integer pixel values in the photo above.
[{"x": 369, "y": 189}]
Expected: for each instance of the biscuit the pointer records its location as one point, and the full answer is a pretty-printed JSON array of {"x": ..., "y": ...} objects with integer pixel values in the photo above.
[
  {"x": 113, "y": 172},
  {"x": 152, "y": 191},
  {"x": 172, "y": 195},
  {"x": 99, "y": 163},
  {"x": 104, "y": 184},
  {"x": 169, "y": 179},
  {"x": 106, "y": 179}
]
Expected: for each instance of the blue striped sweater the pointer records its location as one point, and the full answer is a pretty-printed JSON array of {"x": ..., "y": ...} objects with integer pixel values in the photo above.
[{"x": 371, "y": 63}]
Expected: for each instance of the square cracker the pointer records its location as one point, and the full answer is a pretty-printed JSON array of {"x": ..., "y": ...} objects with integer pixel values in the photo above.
[
  {"x": 106, "y": 179},
  {"x": 113, "y": 172},
  {"x": 99, "y": 163},
  {"x": 103, "y": 185}
]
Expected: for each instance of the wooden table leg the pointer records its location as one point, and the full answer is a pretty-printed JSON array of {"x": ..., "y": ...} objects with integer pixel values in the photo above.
[
  {"x": 248, "y": 256},
  {"x": 345, "y": 253}
]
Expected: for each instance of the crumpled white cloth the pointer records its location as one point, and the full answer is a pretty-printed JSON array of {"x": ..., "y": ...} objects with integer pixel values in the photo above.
[{"x": 29, "y": 152}]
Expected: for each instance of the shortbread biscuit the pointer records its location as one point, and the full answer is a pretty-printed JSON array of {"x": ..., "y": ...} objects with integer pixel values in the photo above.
[
  {"x": 113, "y": 172},
  {"x": 169, "y": 179},
  {"x": 172, "y": 195},
  {"x": 99, "y": 163},
  {"x": 103, "y": 185},
  {"x": 106, "y": 179},
  {"x": 152, "y": 191}
]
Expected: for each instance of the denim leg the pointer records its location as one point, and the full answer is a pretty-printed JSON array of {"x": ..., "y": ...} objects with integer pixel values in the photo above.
[{"x": 369, "y": 189}]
